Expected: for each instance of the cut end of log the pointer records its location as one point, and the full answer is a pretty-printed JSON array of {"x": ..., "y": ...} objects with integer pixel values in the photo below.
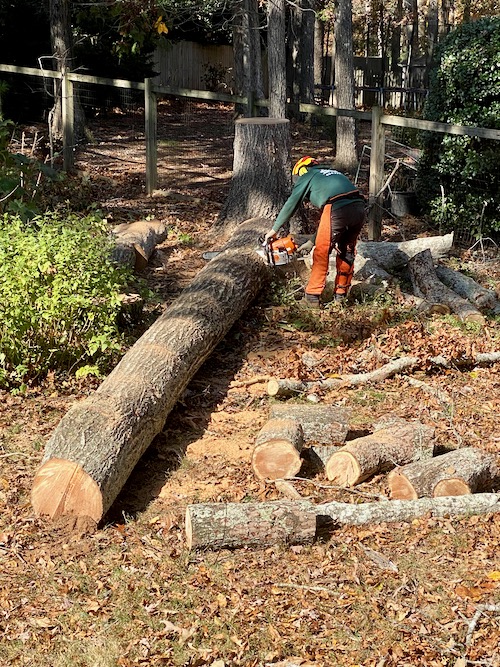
[
  {"x": 343, "y": 469},
  {"x": 400, "y": 487},
  {"x": 62, "y": 488},
  {"x": 451, "y": 487},
  {"x": 276, "y": 459}
]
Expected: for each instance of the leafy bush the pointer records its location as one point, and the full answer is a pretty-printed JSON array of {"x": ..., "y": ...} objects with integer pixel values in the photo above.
[
  {"x": 58, "y": 296},
  {"x": 458, "y": 178},
  {"x": 20, "y": 177}
]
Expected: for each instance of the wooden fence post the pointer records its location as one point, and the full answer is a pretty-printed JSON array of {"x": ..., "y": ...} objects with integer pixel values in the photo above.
[
  {"x": 150, "y": 120},
  {"x": 68, "y": 121},
  {"x": 376, "y": 182}
]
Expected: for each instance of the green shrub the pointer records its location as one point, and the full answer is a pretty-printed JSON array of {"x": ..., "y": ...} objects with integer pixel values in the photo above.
[
  {"x": 458, "y": 178},
  {"x": 58, "y": 296}
]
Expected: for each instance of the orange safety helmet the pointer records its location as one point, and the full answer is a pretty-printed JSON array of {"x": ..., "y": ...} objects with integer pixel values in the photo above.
[{"x": 302, "y": 165}]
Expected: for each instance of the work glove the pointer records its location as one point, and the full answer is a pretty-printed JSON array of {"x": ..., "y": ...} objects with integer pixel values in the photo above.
[
  {"x": 270, "y": 236},
  {"x": 306, "y": 247}
]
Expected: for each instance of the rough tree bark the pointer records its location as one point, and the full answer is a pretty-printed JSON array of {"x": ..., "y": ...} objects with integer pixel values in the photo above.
[
  {"x": 466, "y": 287},
  {"x": 231, "y": 525},
  {"x": 395, "y": 443},
  {"x": 427, "y": 284},
  {"x": 322, "y": 424},
  {"x": 276, "y": 454},
  {"x": 276, "y": 58},
  {"x": 99, "y": 441},
  {"x": 136, "y": 242},
  {"x": 456, "y": 473},
  {"x": 261, "y": 172}
]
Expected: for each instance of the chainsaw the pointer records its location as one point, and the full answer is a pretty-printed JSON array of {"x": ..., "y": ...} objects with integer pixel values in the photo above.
[{"x": 277, "y": 252}]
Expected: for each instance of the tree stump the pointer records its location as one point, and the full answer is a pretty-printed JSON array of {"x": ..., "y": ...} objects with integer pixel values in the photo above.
[
  {"x": 395, "y": 443},
  {"x": 322, "y": 424},
  {"x": 260, "y": 183},
  {"x": 427, "y": 284},
  {"x": 99, "y": 441},
  {"x": 276, "y": 454},
  {"x": 456, "y": 473}
]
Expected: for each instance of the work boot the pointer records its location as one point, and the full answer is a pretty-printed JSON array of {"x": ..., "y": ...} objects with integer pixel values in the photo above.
[
  {"x": 311, "y": 301},
  {"x": 340, "y": 298}
]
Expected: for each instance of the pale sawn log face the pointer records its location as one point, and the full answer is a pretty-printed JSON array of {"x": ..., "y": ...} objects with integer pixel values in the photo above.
[{"x": 108, "y": 432}]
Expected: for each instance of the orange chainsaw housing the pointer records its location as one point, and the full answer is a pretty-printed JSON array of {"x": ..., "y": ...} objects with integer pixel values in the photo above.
[{"x": 286, "y": 243}]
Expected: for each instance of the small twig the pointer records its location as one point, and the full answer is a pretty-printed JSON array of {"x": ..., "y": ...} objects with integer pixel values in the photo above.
[
  {"x": 246, "y": 383},
  {"x": 338, "y": 488},
  {"x": 481, "y": 608},
  {"x": 303, "y": 587}
]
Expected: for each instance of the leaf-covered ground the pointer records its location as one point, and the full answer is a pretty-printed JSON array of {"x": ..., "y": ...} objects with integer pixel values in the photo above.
[{"x": 129, "y": 593}]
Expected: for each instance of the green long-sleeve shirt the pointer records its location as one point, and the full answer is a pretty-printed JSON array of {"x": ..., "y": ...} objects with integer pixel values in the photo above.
[{"x": 317, "y": 185}]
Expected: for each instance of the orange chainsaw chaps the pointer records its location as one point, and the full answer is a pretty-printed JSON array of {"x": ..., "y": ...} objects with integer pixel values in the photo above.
[{"x": 344, "y": 275}]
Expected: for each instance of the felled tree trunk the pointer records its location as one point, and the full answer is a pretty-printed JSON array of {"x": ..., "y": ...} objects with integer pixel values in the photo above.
[
  {"x": 456, "y": 473},
  {"x": 427, "y": 284},
  {"x": 261, "y": 172},
  {"x": 98, "y": 442},
  {"x": 276, "y": 454},
  {"x": 232, "y": 525},
  {"x": 229, "y": 525},
  {"x": 466, "y": 287},
  {"x": 322, "y": 424},
  {"x": 395, "y": 443},
  {"x": 136, "y": 242}
]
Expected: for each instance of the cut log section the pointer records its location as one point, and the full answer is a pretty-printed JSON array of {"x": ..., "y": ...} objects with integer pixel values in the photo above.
[
  {"x": 466, "y": 287},
  {"x": 395, "y": 443},
  {"x": 456, "y": 473},
  {"x": 136, "y": 242},
  {"x": 225, "y": 526},
  {"x": 427, "y": 284},
  {"x": 97, "y": 444},
  {"x": 318, "y": 455},
  {"x": 322, "y": 424},
  {"x": 233, "y": 525},
  {"x": 276, "y": 454},
  {"x": 393, "y": 256}
]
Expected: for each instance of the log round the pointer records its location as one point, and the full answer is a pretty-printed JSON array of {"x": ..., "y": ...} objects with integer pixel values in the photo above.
[
  {"x": 260, "y": 182},
  {"x": 322, "y": 424},
  {"x": 276, "y": 454},
  {"x": 230, "y": 525},
  {"x": 395, "y": 444},
  {"x": 102, "y": 437},
  {"x": 460, "y": 472},
  {"x": 136, "y": 242},
  {"x": 467, "y": 288}
]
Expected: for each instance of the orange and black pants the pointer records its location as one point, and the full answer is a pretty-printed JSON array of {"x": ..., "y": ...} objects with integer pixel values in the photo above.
[{"x": 338, "y": 229}]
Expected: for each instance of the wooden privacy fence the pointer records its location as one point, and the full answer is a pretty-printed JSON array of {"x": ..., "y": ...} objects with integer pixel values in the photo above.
[{"x": 379, "y": 121}]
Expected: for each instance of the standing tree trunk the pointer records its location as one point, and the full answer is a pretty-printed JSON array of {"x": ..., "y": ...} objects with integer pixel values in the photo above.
[
  {"x": 276, "y": 58},
  {"x": 261, "y": 172},
  {"x": 306, "y": 53},
  {"x": 99, "y": 441},
  {"x": 247, "y": 52},
  {"x": 346, "y": 149},
  {"x": 62, "y": 53}
]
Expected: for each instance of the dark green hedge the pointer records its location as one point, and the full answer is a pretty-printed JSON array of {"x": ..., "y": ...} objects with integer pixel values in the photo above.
[{"x": 459, "y": 177}]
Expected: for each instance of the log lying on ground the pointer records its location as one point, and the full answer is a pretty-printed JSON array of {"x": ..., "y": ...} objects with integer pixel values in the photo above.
[
  {"x": 427, "y": 284},
  {"x": 276, "y": 454},
  {"x": 319, "y": 455},
  {"x": 232, "y": 525},
  {"x": 456, "y": 473},
  {"x": 229, "y": 525},
  {"x": 99, "y": 441},
  {"x": 323, "y": 424},
  {"x": 466, "y": 287},
  {"x": 395, "y": 443},
  {"x": 136, "y": 242},
  {"x": 286, "y": 388}
]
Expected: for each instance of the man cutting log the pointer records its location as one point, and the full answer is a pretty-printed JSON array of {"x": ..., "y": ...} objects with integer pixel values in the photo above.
[{"x": 342, "y": 217}]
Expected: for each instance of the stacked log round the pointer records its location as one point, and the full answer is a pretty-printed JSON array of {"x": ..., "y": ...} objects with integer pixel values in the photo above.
[
  {"x": 276, "y": 454},
  {"x": 393, "y": 443},
  {"x": 460, "y": 472}
]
